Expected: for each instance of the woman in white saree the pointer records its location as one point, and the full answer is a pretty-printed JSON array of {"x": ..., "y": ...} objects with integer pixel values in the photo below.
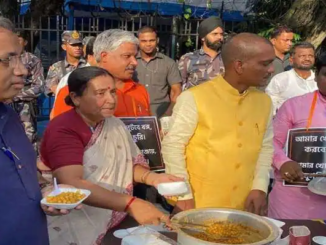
[{"x": 89, "y": 148}]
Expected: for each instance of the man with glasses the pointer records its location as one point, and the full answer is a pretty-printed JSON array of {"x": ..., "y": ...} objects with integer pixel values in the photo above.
[
  {"x": 72, "y": 43},
  {"x": 22, "y": 219}
]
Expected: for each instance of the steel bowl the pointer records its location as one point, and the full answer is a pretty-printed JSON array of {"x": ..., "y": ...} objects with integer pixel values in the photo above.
[{"x": 266, "y": 228}]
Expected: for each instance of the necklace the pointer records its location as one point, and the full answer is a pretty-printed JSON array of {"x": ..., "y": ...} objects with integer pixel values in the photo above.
[{"x": 150, "y": 70}]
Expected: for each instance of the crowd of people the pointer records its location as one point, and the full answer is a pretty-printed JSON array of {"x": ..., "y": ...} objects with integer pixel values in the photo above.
[{"x": 231, "y": 105}]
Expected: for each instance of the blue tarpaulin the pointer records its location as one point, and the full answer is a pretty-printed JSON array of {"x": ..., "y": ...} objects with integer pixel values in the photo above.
[
  {"x": 233, "y": 16},
  {"x": 161, "y": 8},
  {"x": 24, "y": 7},
  {"x": 168, "y": 8}
]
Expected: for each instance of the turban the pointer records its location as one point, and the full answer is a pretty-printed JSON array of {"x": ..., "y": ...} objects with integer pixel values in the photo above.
[{"x": 208, "y": 25}]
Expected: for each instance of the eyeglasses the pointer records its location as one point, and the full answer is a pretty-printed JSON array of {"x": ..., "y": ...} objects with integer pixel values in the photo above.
[{"x": 12, "y": 61}]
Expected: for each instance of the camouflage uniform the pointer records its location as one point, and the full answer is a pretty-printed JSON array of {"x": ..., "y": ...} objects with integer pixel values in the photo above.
[
  {"x": 60, "y": 69},
  {"x": 25, "y": 103},
  {"x": 199, "y": 67}
]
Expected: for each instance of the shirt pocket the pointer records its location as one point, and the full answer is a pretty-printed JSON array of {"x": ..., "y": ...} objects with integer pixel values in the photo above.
[
  {"x": 29, "y": 179},
  {"x": 258, "y": 131},
  {"x": 141, "y": 108},
  {"x": 25, "y": 163},
  {"x": 159, "y": 78}
]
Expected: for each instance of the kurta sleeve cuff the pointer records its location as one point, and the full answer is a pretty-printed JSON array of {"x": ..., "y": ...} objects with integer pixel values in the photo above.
[
  {"x": 264, "y": 163},
  {"x": 261, "y": 183}
]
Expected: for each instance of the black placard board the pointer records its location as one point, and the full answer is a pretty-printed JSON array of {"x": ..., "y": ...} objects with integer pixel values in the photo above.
[
  {"x": 145, "y": 133},
  {"x": 308, "y": 148}
]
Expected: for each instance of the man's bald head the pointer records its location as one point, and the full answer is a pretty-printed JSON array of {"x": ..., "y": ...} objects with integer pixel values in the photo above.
[
  {"x": 242, "y": 47},
  {"x": 248, "y": 59}
]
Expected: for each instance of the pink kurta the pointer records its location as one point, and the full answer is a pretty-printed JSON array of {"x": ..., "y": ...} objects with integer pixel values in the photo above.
[{"x": 295, "y": 202}]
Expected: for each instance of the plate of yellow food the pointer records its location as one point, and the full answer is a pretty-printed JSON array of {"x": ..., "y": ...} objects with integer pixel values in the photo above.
[{"x": 66, "y": 198}]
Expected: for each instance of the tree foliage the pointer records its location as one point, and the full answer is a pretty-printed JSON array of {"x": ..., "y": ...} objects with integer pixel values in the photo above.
[
  {"x": 306, "y": 17},
  {"x": 8, "y": 8},
  {"x": 271, "y": 11},
  {"x": 45, "y": 8}
]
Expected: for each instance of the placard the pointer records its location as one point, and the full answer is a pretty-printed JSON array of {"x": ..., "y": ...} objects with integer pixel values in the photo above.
[
  {"x": 308, "y": 148},
  {"x": 145, "y": 133}
]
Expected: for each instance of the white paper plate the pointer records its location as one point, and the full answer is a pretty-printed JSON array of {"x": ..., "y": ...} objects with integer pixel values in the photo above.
[
  {"x": 144, "y": 239},
  {"x": 140, "y": 230},
  {"x": 124, "y": 232},
  {"x": 276, "y": 222},
  {"x": 318, "y": 186},
  {"x": 319, "y": 239},
  {"x": 66, "y": 206},
  {"x": 173, "y": 188}
]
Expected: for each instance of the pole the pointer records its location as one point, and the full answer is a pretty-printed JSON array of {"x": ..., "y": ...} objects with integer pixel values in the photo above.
[
  {"x": 71, "y": 17},
  {"x": 222, "y": 10},
  {"x": 174, "y": 32}
]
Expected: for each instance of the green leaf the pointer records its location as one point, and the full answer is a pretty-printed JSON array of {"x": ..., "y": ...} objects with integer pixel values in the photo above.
[
  {"x": 187, "y": 16},
  {"x": 189, "y": 42},
  {"x": 188, "y": 10},
  {"x": 297, "y": 37},
  {"x": 209, "y": 4}
]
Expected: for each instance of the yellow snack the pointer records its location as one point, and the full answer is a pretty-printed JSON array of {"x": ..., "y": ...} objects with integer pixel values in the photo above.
[
  {"x": 66, "y": 197},
  {"x": 229, "y": 233}
]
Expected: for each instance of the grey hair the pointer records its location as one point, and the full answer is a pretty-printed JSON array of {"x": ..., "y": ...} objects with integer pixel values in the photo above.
[
  {"x": 6, "y": 24},
  {"x": 111, "y": 40}
]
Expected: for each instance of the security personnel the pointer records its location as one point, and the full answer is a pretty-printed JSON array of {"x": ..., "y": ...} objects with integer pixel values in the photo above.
[
  {"x": 25, "y": 103},
  {"x": 72, "y": 43},
  {"x": 204, "y": 64}
]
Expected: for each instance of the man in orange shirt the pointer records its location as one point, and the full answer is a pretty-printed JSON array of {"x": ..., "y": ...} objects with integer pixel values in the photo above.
[{"x": 115, "y": 50}]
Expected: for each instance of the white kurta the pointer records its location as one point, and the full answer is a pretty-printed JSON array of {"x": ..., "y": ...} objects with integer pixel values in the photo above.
[{"x": 287, "y": 85}]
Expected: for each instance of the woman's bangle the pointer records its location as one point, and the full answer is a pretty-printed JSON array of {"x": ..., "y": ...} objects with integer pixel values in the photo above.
[
  {"x": 144, "y": 176},
  {"x": 129, "y": 203}
]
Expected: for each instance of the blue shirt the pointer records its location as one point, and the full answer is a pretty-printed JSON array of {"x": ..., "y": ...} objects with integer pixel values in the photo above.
[{"x": 22, "y": 220}]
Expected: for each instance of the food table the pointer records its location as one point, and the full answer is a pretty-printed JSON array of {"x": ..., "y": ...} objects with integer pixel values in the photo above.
[{"x": 316, "y": 228}]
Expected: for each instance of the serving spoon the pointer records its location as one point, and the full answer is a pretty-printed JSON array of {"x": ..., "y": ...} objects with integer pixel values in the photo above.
[{"x": 198, "y": 228}]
